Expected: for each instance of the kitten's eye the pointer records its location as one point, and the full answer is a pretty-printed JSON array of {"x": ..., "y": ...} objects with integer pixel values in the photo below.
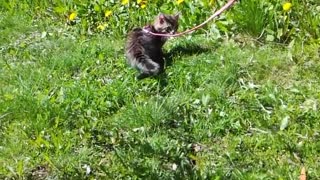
[{"x": 170, "y": 30}]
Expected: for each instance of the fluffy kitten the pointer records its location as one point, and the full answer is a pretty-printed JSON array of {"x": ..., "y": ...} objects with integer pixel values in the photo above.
[{"x": 144, "y": 51}]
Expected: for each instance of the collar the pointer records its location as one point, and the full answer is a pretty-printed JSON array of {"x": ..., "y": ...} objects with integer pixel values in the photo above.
[{"x": 147, "y": 28}]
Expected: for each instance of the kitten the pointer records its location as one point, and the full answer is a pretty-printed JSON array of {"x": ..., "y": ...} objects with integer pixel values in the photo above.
[{"x": 144, "y": 51}]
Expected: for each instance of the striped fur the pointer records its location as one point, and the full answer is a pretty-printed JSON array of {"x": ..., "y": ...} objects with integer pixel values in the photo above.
[{"x": 144, "y": 51}]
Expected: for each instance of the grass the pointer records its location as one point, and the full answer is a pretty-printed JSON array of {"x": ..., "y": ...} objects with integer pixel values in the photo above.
[{"x": 70, "y": 108}]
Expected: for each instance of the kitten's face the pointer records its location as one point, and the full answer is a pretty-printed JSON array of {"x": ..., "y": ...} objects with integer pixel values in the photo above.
[{"x": 166, "y": 23}]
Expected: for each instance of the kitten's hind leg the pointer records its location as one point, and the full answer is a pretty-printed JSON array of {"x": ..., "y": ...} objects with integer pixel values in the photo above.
[
  {"x": 147, "y": 67},
  {"x": 142, "y": 76}
]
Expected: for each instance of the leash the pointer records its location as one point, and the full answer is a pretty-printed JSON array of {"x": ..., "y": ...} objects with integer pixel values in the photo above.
[{"x": 217, "y": 13}]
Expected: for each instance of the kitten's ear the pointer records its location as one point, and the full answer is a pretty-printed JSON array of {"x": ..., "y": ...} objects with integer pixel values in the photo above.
[{"x": 161, "y": 18}]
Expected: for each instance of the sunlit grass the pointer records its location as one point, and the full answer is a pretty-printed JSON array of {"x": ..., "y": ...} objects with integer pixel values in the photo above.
[{"x": 71, "y": 108}]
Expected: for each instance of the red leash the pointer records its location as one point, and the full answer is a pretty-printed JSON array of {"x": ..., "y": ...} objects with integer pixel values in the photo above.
[{"x": 217, "y": 13}]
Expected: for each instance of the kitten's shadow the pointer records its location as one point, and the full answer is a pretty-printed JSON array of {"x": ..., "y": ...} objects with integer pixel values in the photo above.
[{"x": 185, "y": 49}]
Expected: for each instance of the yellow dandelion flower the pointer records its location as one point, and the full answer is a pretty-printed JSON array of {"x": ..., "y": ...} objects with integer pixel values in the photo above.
[
  {"x": 212, "y": 2},
  {"x": 102, "y": 27},
  {"x": 139, "y": 1},
  {"x": 72, "y": 16},
  {"x": 286, "y": 6},
  {"x": 124, "y": 2},
  {"x": 143, "y": 6},
  {"x": 179, "y": 1},
  {"x": 107, "y": 13}
]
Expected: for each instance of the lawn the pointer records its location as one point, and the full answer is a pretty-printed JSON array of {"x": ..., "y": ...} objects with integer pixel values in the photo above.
[{"x": 227, "y": 108}]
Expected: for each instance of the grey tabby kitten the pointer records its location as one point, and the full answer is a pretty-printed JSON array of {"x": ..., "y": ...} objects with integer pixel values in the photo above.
[{"x": 144, "y": 51}]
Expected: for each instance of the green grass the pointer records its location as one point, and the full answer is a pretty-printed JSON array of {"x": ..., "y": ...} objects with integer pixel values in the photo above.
[{"x": 70, "y": 108}]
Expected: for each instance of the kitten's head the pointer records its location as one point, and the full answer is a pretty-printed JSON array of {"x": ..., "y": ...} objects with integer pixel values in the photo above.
[{"x": 166, "y": 23}]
